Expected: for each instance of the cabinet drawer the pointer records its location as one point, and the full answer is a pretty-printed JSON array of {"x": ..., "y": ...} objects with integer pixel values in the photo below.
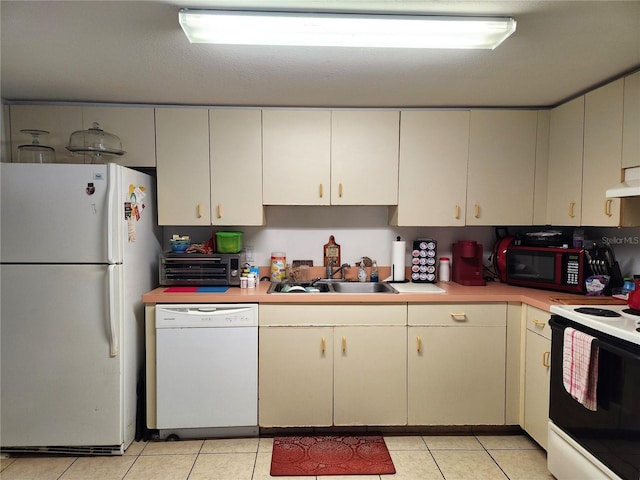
[
  {"x": 458, "y": 314},
  {"x": 299, "y": 315},
  {"x": 538, "y": 321}
]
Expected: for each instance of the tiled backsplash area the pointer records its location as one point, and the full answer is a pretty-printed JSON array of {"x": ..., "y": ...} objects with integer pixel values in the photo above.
[{"x": 301, "y": 233}]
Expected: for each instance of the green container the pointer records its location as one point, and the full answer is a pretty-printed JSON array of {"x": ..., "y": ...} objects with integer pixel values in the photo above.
[{"x": 228, "y": 242}]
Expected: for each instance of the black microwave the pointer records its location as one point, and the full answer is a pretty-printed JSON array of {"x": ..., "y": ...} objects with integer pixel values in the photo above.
[{"x": 551, "y": 268}]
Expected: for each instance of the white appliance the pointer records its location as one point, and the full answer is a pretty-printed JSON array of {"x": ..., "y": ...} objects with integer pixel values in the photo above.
[
  {"x": 207, "y": 370},
  {"x": 601, "y": 444},
  {"x": 79, "y": 247}
]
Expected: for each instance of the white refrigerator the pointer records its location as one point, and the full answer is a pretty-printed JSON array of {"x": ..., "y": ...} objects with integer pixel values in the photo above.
[{"x": 79, "y": 246}]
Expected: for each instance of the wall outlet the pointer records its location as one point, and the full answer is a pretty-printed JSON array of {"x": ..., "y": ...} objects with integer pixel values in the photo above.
[{"x": 248, "y": 251}]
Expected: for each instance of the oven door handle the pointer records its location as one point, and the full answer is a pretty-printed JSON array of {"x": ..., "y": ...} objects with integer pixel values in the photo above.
[
  {"x": 557, "y": 324},
  {"x": 617, "y": 350}
]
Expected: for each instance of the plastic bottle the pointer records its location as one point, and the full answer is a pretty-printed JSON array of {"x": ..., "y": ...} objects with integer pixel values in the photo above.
[
  {"x": 445, "y": 269},
  {"x": 362, "y": 273},
  {"x": 374, "y": 272}
]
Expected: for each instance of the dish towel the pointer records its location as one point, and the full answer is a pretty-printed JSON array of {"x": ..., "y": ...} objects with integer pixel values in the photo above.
[{"x": 580, "y": 367}]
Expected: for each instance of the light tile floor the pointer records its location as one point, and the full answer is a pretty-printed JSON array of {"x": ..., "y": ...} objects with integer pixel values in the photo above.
[{"x": 512, "y": 457}]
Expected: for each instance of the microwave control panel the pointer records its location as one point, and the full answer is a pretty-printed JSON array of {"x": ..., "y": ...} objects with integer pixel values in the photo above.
[{"x": 572, "y": 274}]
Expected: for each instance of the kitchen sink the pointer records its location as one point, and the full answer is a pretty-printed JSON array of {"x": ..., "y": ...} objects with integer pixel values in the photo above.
[
  {"x": 362, "y": 287},
  {"x": 305, "y": 287},
  {"x": 331, "y": 286}
]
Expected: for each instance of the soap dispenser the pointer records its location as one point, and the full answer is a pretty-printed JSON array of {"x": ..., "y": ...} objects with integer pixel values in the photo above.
[{"x": 362, "y": 273}]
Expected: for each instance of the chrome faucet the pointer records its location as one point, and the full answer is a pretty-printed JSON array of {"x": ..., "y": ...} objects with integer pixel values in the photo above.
[{"x": 341, "y": 269}]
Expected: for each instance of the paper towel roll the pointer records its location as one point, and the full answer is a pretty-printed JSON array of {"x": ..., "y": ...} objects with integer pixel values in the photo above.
[{"x": 398, "y": 249}]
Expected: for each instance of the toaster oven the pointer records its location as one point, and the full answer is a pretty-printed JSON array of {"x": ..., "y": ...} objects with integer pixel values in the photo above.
[{"x": 199, "y": 269}]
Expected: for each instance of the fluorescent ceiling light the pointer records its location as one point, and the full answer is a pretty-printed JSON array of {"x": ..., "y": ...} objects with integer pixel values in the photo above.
[{"x": 344, "y": 30}]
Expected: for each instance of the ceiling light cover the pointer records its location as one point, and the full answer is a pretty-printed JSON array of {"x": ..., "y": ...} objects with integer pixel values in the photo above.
[{"x": 344, "y": 30}]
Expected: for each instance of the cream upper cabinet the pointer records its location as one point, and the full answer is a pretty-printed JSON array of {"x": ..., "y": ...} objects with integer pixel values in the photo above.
[
  {"x": 364, "y": 157},
  {"x": 235, "y": 137},
  {"x": 434, "y": 150},
  {"x": 501, "y": 169},
  {"x": 456, "y": 364},
  {"x": 542, "y": 168},
  {"x": 182, "y": 150},
  {"x": 59, "y": 121},
  {"x": 133, "y": 125},
  {"x": 296, "y": 157},
  {"x": 602, "y": 159},
  {"x": 564, "y": 187},
  {"x": 631, "y": 125},
  {"x": 537, "y": 374}
]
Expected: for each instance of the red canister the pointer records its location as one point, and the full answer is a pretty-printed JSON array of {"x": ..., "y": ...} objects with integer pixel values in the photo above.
[{"x": 634, "y": 296}]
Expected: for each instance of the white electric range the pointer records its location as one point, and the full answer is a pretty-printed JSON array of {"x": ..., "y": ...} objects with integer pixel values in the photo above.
[
  {"x": 615, "y": 320},
  {"x": 603, "y": 443}
]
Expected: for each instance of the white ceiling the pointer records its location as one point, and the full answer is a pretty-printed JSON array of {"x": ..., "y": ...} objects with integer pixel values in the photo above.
[{"x": 135, "y": 52}]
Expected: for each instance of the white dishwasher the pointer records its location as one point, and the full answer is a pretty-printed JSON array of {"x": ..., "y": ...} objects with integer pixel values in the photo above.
[{"x": 207, "y": 370}]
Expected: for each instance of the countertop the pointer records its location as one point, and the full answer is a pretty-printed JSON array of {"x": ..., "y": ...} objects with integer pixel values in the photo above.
[{"x": 453, "y": 292}]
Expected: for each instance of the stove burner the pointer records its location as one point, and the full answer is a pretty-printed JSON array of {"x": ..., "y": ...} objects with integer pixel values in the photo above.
[
  {"x": 631, "y": 311},
  {"x": 597, "y": 312}
]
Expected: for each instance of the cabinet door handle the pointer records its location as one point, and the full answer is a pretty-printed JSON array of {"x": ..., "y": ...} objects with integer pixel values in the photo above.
[
  {"x": 419, "y": 344},
  {"x": 571, "y": 205},
  {"x": 538, "y": 323},
  {"x": 199, "y": 211},
  {"x": 607, "y": 207},
  {"x": 219, "y": 210},
  {"x": 340, "y": 190},
  {"x": 323, "y": 344},
  {"x": 459, "y": 317},
  {"x": 546, "y": 359},
  {"x": 457, "y": 214},
  {"x": 321, "y": 191},
  {"x": 344, "y": 344},
  {"x": 476, "y": 211}
]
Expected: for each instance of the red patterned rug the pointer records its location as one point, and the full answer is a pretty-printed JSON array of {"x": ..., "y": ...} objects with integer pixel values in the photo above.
[{"x": 330, "y": 455}]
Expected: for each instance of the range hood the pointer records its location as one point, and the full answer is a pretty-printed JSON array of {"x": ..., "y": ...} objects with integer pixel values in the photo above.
[{"x": 630, "y": 187}]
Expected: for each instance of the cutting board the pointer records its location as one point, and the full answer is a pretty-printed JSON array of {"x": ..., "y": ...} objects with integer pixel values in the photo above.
[
  {"x": 417, "y": 288},
  {"x": 588, "y": 301}
]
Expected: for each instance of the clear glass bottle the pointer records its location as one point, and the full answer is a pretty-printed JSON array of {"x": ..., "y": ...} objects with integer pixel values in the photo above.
[
  {"x": 362, "y": 273},
  {"x": 374, "y": 272}
]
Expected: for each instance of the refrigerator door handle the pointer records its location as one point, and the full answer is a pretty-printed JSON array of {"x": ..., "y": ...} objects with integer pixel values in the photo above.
[
  {"x": 114, "y": 312},
  {"x": 113, "y": 226}
]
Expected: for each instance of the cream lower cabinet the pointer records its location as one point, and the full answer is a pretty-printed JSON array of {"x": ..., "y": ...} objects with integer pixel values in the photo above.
[
  {"x": 370, "y": 378},
  {"x": 296, "y": 376},
  {"x": 456, "y": 364},
  {"x": 322, "y": 365},
  {"x": 537, "y": 375}
]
